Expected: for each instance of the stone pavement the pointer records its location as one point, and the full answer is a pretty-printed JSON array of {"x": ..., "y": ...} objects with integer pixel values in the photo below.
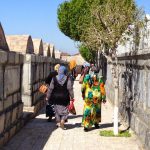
[{"x": 39, "y": 134}]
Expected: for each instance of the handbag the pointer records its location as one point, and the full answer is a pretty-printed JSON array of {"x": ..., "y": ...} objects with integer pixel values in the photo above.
[
  {"x": 71, "y": 108},
  {"x": 43, "y": 88}
]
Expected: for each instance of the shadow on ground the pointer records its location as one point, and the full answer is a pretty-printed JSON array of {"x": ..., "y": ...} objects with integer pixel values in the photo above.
[{"x": 34, "y": 135}]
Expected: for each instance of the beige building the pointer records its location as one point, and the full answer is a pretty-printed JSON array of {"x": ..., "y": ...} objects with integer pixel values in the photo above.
[
  {"x": 57, "y": 54},
  {"x": 65, "y": 56}
]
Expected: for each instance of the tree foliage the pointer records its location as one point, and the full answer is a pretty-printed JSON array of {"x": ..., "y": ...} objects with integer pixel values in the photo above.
[
  {"x": 73, "y": 17},
  {"x": 98, "y": 24},
  {"x": 88, "y": 54}
]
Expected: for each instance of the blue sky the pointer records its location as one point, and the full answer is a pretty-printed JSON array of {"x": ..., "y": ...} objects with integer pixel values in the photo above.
[{"x": 39, "y": 19}]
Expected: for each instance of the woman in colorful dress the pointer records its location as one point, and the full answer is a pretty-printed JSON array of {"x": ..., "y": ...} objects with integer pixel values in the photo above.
[{"x": 92, "y": 95}]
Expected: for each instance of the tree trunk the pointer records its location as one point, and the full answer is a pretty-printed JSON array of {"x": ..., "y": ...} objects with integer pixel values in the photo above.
[{"x": 116, "y": 101}]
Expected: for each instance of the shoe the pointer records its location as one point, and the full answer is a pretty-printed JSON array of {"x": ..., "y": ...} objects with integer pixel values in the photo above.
[
  {"x": 96, "y": 126},
  {"x": 85, "y": 129},
  {"x": 62, "y": 125},
  {"x": 58, "y": 124},
  {"x": 49, "y": 119}
]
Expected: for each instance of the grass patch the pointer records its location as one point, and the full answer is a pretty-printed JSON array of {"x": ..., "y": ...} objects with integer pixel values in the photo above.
[{"x": 110, "y": 133}]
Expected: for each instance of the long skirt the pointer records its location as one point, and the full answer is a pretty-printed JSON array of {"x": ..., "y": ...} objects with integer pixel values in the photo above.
[
  {"x": 91, "y": 113},
  {"x": 61, "y": 112}
]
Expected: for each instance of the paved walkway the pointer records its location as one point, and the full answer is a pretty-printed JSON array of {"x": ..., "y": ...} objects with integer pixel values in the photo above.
[{"x": 39, "y": 134}]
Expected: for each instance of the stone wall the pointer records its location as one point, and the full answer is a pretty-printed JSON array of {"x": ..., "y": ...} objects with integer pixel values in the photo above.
[
  {"x": 134, "y": 86},
  {"x": 35, "y": 70},
  {"x": 38, "y": 46},
  {"x": 20, "y": 43},
  {"x": 3, "y": 43},
  {"x": 46, "y": 51},
  {"x": 11, "y": 106},
  {"x": 21, "y": 74}
]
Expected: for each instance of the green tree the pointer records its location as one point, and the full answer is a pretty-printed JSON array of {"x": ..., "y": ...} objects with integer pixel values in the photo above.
[{"x": 88, "y": 54}]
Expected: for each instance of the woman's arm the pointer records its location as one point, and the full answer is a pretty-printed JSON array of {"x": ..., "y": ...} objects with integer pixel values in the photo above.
[
  {"x": 70, "y": 88},
  {"x": 50, "y": 89}
]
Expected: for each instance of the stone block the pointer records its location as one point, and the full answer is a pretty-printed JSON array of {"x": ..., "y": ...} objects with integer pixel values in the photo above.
[
  {"x": 11, "y": 80},
  {"x": 19, "y": 97},
  {"x": 1, "y": 105},
  {"x": 3, "y": 57},
  {"x": 1, "y": 141},
  {"x": 14, "y": 114},
  {"x": 20, "y": 110},
  {"x": 21, "y": 58},
  {"x": 34, "y": 58},
  {"x": 8, "y": 116},
  {"x": 12, "y": 132},
  {"x": 2, "y": 121},
  {"x": 37, "y": 73},
  {"x": 26, "y": 81},
  {"x": 27, "y": 100},
  {"x": 15, "y": 98},
  {"x": 6, "y": 137},
  {"x": 1, "y": 84},
  {"x": 27, "y": 58},
  {"x": 8, "y": 102},
  {"x": 18, "y": 126},
  {"x": 11, "y": 57},
  {"x": 17, "y": 58}
]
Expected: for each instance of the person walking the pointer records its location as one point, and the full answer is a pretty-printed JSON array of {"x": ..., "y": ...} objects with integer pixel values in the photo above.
[
  {"x": 61, "y": 92},
  {"x": 92, "y": 96},
  {"x": 72, "y": 71},
  {"x": 50, "y": 107}
]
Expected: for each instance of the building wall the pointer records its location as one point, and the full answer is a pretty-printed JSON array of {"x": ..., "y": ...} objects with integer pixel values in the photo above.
[
  {"x": 134, "y": 86},
  {"x": 11, "y": 106}
]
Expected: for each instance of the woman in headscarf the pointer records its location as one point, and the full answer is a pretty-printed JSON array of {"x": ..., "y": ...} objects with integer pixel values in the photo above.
[
  {"x": 52, "y": 74},
  {"x": 72, "y": 68},
  {"x": 60, "y": 91},
  {"x": 91, "y": 93},
  {"x": 49, "y": 107}
]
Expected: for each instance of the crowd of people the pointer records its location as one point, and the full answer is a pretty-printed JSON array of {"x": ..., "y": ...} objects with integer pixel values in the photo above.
[{"x": 60, "y": 94}]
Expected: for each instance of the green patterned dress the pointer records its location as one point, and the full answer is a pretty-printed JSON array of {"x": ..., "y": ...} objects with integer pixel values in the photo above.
[{"x": 92, "y": 101}]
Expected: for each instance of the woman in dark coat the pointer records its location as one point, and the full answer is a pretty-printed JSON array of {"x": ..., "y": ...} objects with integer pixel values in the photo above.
[
  {"x": 60, "y": 91},
  {"x": 50, "y": 107}
]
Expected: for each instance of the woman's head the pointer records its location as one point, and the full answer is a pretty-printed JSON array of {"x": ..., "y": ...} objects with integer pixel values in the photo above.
[
  {"x": 88, "y": 79},
  {"x": 62, "y": 70},
  {"x": 72, "y": 64},
  {"x": 56, "y": 67}
]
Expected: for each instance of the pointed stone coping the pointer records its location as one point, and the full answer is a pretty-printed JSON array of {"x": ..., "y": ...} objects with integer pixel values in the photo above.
[
  {"x": 47, "y": 51},
  {"x": 3, "y": 42},
  {"x": 57, "y": 54},
  {"x": 20, "y": 43},
  {"x": 38, "y": 46},
  {"x": 52, "y": 50}
]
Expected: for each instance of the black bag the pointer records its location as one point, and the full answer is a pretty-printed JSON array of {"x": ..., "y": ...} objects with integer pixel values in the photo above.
[{"x": 50, "y": 110}]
